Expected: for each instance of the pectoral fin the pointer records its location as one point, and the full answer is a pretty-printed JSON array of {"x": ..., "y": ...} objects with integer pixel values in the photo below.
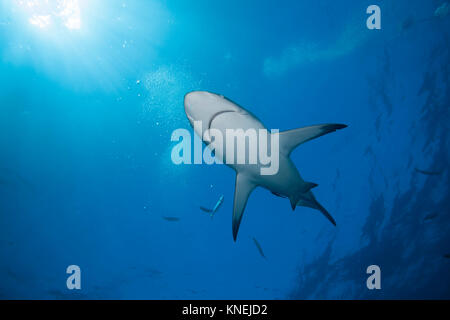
[
  {"x": 291, "y": 139},
  {"x": 242, "y": 191}
]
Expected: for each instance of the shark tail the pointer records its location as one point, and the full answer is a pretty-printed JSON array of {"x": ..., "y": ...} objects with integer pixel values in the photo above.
[
  {"x": 314, "y": 204},
  {"x": 325, "y": 213}
]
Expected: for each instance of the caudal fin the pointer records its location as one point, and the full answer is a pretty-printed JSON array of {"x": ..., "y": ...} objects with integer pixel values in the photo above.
[
  {"x": 325, "y": 213},
  {"x": 314, "y": 204}
]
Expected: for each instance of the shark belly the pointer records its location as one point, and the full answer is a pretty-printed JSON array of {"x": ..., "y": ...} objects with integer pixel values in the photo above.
[
  {"x": 287, "y": 181},
  {"x": 233, "y": 121}
]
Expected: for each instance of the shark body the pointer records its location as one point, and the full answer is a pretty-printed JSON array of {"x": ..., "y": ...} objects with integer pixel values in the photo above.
[{"x": 220, "y": 113}]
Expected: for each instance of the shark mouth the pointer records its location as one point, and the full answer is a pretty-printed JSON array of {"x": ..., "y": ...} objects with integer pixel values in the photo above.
[
  {"x": 206, "y": 137},
  {"x": 216, "y": 115}
]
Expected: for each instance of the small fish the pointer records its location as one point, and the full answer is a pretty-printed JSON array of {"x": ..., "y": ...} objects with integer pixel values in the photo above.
[
  {"x": 206, "y": 209},
  {"x": 12, "y": 275},
  {"x": 430, "y": 173},
  {"x": 442, "y": 11},
  {"x": 430, "y": 216},
  {"x": 172, "y": 219},
  {"x": 218, "y": 204},
  {"x": 407, "y": 23},
  {"x": 261, "y": 252},
  {"x": 153, "y": 272},
  {"x": 216, "y": 207},
  {"x": 12, "y": 178}
]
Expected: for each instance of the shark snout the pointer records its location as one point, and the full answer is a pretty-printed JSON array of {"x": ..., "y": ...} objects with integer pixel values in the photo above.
[
  {"x": 188, "y": 102},
  {"x": 195, "y": 98},
  {"x": 198, "y": 105},
  {"x": 188, "y": 98},
  {"x": 191, "y": 100}
]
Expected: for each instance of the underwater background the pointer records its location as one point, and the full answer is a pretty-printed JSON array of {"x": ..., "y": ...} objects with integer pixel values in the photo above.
[{"x": 90, "y": 92}]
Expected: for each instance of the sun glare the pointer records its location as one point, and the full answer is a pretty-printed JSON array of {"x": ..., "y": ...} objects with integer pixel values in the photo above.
[
  {"x": 40, "y": 21},
  {"x": 57, "y": 13}
]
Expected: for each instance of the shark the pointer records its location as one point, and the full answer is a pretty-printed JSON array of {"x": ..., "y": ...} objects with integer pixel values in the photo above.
[{"x": 221, "y": 113}]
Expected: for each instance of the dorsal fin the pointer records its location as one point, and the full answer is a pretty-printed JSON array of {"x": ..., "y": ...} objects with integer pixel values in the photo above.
[
  {"x": 242, "y": 191},
  {"x": 291, "y": 139}
]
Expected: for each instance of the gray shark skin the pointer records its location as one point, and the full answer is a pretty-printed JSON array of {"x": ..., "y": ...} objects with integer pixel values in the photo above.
[{"x": 217, "y": 112}]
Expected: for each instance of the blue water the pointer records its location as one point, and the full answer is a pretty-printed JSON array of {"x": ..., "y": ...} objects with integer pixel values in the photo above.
[{"x": 88, "y": 105}]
